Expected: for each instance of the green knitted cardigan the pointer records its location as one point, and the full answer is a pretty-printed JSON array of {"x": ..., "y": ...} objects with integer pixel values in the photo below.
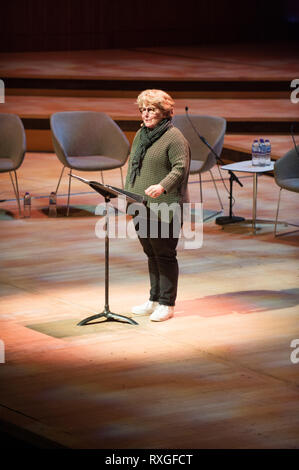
[{"x": 166, "y": 162}]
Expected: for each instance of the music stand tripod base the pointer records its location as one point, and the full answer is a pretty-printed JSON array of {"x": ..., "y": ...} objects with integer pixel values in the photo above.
[
  {"x": 109, "y": 317},
  {"x": 229, "y": 220}
]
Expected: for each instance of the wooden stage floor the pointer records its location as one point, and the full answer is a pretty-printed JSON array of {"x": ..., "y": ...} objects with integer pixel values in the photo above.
[
  {"x": 261, "y": 115},
  {"x": 247, "y": 84},
  {"x": 217, "y": 375},
  {"x": 225, "y": 62}
]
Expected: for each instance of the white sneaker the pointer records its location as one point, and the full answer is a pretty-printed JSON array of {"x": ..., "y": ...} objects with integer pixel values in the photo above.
[
  {"x": 145, "y": 309},
  {"x": 162, "y": 313}
]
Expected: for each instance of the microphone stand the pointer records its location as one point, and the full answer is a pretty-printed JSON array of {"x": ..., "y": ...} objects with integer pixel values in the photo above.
[{"x": 232, "y": 177}]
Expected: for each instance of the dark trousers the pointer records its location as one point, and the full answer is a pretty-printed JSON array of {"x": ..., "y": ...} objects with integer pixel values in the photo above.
[{"x": 162, "y": 265}]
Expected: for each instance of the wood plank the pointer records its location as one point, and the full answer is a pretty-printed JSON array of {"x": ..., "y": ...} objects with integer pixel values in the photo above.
[
  {"x": 242, "y": 143},
  {"x": 246, "y": 110},
  {"x": 253, "y": 62}
]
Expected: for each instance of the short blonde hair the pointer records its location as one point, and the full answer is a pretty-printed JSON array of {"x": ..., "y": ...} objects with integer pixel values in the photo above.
[{"x": 158, "y": 98}]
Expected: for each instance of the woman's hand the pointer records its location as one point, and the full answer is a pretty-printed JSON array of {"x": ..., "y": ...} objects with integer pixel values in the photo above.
[{"x": 155, "y": 190}]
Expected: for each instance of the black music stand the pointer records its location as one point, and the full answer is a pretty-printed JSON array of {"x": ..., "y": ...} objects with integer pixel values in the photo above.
[{"x": 109, "y": 192}]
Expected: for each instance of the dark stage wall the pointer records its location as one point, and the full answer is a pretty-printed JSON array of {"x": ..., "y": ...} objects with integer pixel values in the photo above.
[{"x": 43, "y": 25}]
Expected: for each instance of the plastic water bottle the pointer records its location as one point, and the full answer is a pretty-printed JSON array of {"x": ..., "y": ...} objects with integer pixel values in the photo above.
[
  {"x": 52, "y": 205},
  {"x": 262, "y": 156},
  {"x": 268, "y": 152},
  {"x": 27, "y": 205},
  {"x": 255, "y": 153}
]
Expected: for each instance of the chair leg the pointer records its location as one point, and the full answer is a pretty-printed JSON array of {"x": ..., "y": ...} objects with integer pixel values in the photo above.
[
  {"x": 276, "y": 234},
  {"x": 59, "y": 179},
  {"x": 275, "y": 227},
  {"x": 200, "y": 186},
  {"x": 16, "y": 189},
  {"x": 102, "y": 176},
  {"x": 68, "y": 196},
  {"x": 219, "y": 199},
  {"x": 122, "y": 177}
]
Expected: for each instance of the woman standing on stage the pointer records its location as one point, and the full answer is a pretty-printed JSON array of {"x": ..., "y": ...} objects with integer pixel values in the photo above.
[{"x": 158, "y": 170}]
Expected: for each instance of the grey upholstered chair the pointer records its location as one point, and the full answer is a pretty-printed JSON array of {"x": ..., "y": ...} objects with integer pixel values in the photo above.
[
  {"x": 286, "y": 173},
  {"x": 12, "y": 148},
  {"x": 212, "y": 128},
  {"x": 88, "y": 141}
]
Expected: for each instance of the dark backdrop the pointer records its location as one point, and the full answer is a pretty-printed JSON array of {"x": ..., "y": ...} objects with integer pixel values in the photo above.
[{"x": 43, "y": 25}]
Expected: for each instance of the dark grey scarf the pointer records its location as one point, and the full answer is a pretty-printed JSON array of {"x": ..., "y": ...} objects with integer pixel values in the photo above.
[{"x": 147, "y": 138}]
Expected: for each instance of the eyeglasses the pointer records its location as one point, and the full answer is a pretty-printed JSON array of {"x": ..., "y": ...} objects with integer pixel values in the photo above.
[{"x": 150, "y": 110}]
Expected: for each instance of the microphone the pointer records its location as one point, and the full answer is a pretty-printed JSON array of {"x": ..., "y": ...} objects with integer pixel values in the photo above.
[{"x": 202, "y": 138}]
